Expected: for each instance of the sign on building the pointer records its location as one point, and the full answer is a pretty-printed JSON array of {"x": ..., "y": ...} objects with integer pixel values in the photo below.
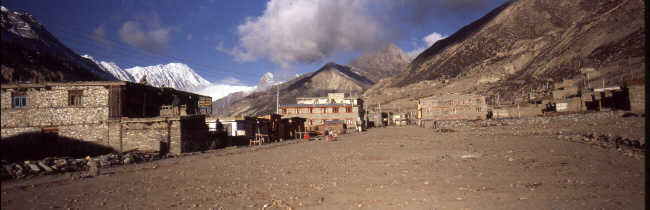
[
  {"x": 205, "y": 105},
  {"x": 561, "y": 106}
]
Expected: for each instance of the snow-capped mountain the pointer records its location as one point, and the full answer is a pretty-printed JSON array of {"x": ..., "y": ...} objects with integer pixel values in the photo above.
[
  {"x": 28, "y": 42},
  {"x": 174, "y": 75},
  {"x": 267, "y": 81},
  {"x": 113, "y": 69}
]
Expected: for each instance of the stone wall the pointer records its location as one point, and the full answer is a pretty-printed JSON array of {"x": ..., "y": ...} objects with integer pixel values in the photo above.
[
  {"x": 145, "y": 133},
  {"x": 50, "y": 107},
  {"x": 47, "y": 106},
  {"x": 637, "y": 98},
  {"x": 453, "y": 107},
  {"x": 527, "y": 110},
  {"x": 174, "y": 134},
  {"x": 88, "y": 123}
]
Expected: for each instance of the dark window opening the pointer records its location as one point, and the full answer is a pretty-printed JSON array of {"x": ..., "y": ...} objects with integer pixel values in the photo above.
[
  {"x": 75, "y": 97},
  {"x": 19, "y": 100}
]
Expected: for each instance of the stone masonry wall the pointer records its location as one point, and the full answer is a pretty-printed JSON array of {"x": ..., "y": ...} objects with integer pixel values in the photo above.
[
  {"x": 144, "y": 133},
  {"x": 176, "y": 135},
  {"x": 50, "y": 107},
  {"x": 637, "y": 98}
]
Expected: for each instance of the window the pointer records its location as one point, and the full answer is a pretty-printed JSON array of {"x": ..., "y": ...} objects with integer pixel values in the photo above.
[
  {"x": 284, "y": 111},
  {"x": 335, "y": 110},
  {"x": 348, "y": 109},
  {"x": 19, "y": 100},
  {"x": 323, "y": 110},
  {"x": 74, "y": 97}
]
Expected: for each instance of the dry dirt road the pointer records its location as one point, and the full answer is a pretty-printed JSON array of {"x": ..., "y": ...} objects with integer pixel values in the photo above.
[{"x": 384, "y": 168}]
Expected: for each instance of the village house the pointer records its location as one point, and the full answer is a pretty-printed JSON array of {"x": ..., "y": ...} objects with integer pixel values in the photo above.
[
  {"x": 451, "y": 107},
  {"x": 113, "y": 114},
  {"x": 334, "y": 107}
]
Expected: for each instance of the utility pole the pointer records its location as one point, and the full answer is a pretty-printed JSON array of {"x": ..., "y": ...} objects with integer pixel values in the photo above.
[
  {"x": 498, "y": 99},
  {"x": 277, "y": 99}
]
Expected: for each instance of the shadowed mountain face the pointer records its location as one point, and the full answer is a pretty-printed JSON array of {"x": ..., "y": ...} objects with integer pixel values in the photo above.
[
  {"x": 330, "y": 78},
  {"x": 523, "y": 45},
  {"x": 383, "y": 63},
  {"x": 31, "y": 54}
]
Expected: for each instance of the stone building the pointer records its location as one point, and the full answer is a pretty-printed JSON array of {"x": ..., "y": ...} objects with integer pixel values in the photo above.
[
  {"x": 452, "y": 107},
  {"x": 114, "y": 114},
  {"x": 334, "y": 107}
]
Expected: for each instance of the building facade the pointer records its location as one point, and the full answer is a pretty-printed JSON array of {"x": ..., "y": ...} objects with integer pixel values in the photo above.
[
  {"x": 452, "y": 107},
  {"x": 114, "y": 114},
  {"x": 334, "y": 107}
]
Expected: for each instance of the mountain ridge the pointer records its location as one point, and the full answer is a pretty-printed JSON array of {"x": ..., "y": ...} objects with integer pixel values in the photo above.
[
  {"x": 521, "y": 47},
  {"x": 331, "y": 77},
  {"x": 33, "y": 54}
]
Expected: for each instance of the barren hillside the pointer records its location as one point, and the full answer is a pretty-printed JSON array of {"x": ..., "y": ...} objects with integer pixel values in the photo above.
[{"x": 523, "y": 45}]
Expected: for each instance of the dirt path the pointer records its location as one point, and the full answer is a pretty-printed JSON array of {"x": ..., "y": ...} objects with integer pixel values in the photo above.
[{"x": 387, "y": 168}]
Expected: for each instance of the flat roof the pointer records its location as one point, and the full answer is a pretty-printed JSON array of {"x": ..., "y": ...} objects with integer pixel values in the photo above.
[
  {"x": 325, "y": 97},
  {"x": 85, "y": 83},
  {"x": 452, "y": 95},
  {"x": 314, "y": 105},
  {"x": 77, "y": 83}
]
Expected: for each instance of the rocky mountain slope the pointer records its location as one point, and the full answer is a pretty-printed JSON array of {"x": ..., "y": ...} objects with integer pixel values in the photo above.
[
  {"x": 523, "y": 45},
  {"x": 31, "y": 54},
  {"x": 331, "y": 77},
  {"x": 383, "y": 63}
]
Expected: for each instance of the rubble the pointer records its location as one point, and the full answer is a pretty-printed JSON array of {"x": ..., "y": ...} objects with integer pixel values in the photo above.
[{"x": 92, "y": 165}]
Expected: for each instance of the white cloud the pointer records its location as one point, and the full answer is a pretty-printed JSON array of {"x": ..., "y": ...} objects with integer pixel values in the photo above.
[
  {"x": 433, "y": 38},
  {"x": 99, "y": 35},
  {"x": 427, "y": 42},
  {"x": 231, "y": 81},
  {"x": 236, "y": 52},
  {"x": 306, "y": 31},
  {"x": 146, "y": 33},
  {"x": 217, "y": 91}
]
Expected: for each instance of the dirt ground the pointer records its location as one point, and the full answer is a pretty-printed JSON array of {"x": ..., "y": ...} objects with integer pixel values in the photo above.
[{"x": 500, "y": 167}]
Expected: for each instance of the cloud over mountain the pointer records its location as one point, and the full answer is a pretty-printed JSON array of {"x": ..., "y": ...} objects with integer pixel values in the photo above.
[
  {"x": 308, "y": 31},
  {"x": 305, "y": 31},
  {"x": 428, "y": 41},
  {"x": 146, "y": 32}
]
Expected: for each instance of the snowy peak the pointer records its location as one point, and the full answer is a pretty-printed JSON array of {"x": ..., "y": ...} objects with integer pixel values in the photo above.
[
  {"x": 112, "y": 68},
  {"x": 174, "y": 75},
  {"x": 267, "y": 81}
]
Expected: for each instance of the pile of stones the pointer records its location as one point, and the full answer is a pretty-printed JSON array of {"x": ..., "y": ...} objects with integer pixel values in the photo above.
[
  {"x": 630, "y": 147},
  {"x": 53, "y": 165}
]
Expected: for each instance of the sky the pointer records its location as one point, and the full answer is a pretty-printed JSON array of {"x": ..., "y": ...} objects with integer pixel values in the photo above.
[{"x": 236, "y": 42}]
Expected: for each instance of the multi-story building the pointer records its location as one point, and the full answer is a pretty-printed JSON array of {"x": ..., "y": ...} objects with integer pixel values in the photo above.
[
  {"x": 334, "y": 107},
  {"x": 452, "y": 107},
  {"x": 114, "y": 114}
]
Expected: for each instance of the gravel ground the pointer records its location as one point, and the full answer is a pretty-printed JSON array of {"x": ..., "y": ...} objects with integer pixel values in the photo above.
[{"x": 507, "y": 166}]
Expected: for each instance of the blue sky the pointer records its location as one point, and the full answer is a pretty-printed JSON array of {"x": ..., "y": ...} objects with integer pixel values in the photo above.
[{"x": 243, "y": 39}]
